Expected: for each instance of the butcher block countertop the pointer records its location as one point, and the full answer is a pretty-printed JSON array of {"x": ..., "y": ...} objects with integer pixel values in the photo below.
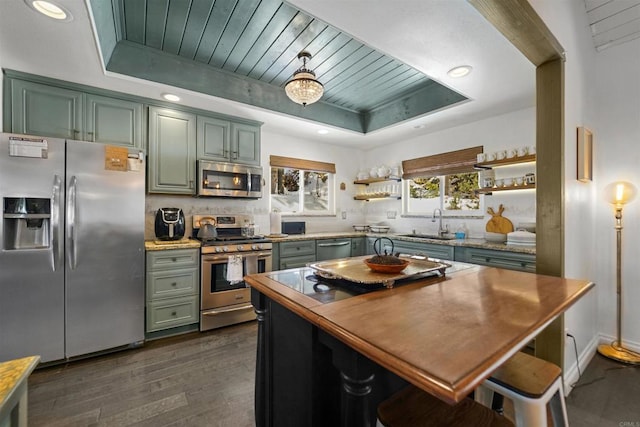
[
  {"x": 13, "y": 386},
  {"x": 443, "y": 334}
]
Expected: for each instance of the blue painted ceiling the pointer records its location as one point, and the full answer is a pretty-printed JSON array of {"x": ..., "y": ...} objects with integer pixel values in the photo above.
[{"x": 246, "y": 50}]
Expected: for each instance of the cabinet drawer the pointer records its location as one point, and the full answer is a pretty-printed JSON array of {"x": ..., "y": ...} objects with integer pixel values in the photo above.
[
  {"x": 297, "y": 248},
  {"x": 171, "y": 283},
  {"x": 169, "y": 313},
  {"x": 500, "y": 259},
  {"x": 172, "y": 259},
  {"x": 296, "y": 261}
]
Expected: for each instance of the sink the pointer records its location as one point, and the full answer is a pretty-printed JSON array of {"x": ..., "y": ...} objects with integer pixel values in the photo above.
[{"x": 430, "y": 236}]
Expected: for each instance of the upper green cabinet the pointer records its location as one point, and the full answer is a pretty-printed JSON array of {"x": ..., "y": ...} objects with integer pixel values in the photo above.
[
  {"x": 172, "y": 151},
  {"x": 40, "y": 109},
  {"x": 214, "y": 139},
  {"x": 222, "y": 140},
  {"x": 114, "y": 121}
]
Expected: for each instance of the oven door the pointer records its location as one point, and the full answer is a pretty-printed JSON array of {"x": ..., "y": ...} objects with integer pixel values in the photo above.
[{"x": 223, "y": 303}]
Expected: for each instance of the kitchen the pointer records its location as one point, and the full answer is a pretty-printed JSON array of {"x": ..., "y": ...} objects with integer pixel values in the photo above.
[{"x": 585, "y": 212}]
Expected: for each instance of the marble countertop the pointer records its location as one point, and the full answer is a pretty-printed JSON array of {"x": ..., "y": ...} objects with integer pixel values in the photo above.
[
  {"x": 14, "y": 374},
  {"x": 153, "y": 245},
  {"x": 472, "y": 243}
]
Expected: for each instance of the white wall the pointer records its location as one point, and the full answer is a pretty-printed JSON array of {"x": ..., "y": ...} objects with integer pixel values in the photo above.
[
  {"x": 347, "y": 161},
  {"x": 506, "y": 131},
  {"x": 617, "y": 155}
]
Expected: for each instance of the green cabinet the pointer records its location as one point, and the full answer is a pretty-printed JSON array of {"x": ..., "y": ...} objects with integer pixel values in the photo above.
[
  {"x": 432, "y": 250},
  {"x": 245, "y": 143},
  {"x": 214, "y": 139},
  {"x": 228, "y": 141},
  {"x": 296, "y": 253},
  {"x": 114, "y": 121},
  {"x": 358, "y": 246},
  {"x": 495, "y": 258},
  {"x": 172, "y": 151},
  {"x": 40, "y": 109},
  {"x": 172, "y": 291}
]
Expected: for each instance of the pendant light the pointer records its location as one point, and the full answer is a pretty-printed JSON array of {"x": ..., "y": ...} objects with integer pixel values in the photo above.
[{"x": 303, "y": 88}]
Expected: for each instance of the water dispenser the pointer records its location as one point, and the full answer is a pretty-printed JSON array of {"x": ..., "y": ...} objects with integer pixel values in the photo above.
[{"x": 26, "y": 223}]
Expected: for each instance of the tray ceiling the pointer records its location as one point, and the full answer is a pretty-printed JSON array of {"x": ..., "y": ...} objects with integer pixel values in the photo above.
[{"x": 247, "y": 50}]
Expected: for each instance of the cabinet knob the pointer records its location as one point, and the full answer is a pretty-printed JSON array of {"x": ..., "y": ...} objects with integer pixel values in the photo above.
[
  {"x": 487, "y": 259},
  {"x": 174, "y": 284},
  {"x": 174, "y": 259},
  {"x": 173, "y": 313},
  {"x": 523, "y": 264}
]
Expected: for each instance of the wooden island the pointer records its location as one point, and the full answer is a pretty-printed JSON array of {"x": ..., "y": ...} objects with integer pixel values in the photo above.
[{"x": 328, "y": 355}]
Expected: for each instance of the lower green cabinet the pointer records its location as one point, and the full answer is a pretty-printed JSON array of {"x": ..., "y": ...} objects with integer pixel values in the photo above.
[
  {"x": 172, "y": 279},
  {"x": 495, "y": 258},
  {"x": 358, "y": 246},
  {"x": 296, "y": 253}
]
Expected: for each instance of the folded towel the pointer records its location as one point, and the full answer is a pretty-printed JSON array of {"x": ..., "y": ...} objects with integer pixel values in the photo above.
[{"x": 234, "y": 269}]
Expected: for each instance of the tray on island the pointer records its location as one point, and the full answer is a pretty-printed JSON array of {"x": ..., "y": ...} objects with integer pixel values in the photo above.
[{"x": 355, "y": 270}]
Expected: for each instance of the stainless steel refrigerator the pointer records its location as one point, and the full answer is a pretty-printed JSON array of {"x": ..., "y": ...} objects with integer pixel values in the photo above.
[{"x": 72, "y": 247}]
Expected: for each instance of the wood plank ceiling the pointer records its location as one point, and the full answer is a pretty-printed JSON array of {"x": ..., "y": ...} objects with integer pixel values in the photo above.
[
  {"x": 258, "y": 41},
  {"x": 613, "y": 21}
]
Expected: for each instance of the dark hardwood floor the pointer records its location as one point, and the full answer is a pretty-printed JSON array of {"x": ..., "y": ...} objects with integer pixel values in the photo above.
[
  {"x": 206, "y": 379},
  {"x": 198, "y": 379}
]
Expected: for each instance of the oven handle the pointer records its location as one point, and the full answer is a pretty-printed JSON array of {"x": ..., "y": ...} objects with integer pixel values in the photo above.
[
  {"x": 225, "y": 256},
  {"x": 228, "y": 310}
]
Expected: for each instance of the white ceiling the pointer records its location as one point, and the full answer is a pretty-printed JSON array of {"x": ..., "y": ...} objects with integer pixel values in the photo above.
[{"x": 429, "y": 35}]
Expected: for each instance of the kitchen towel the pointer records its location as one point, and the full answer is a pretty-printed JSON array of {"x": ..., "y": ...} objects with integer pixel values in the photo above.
[
  {"x": 234, "y": 269},
  {"x": 275, "y": 223}
]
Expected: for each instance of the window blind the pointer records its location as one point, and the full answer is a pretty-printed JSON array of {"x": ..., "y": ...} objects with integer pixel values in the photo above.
[
  {"x": 452, "y": 162},
  {"x": 293, "y": 163}
]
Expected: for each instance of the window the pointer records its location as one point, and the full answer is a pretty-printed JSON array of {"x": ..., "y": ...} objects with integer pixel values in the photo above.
[
  {"x": 454, "y": 193},
  {"x": 301, "y": 186},
  {"x": 444, "y": 181}
]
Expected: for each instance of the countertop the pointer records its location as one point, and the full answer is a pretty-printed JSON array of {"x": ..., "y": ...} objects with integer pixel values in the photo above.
[
  {"x": 13, "y": 381},
  {"x": 151, "y": 245},
  {"x": 472, "y": 243},
  {"x": 442, "y": 334}
]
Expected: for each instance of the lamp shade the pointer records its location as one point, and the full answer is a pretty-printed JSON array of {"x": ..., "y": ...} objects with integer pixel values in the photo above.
[{"x": 620, "y": 193}]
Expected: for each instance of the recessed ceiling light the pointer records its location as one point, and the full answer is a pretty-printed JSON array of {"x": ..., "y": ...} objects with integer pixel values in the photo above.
[
  {"x": 50, "y": 9},
  {"x": 323, "y": 131},
  {"x": 171, "y": 97},
  {"x": 460, "y": 71}
]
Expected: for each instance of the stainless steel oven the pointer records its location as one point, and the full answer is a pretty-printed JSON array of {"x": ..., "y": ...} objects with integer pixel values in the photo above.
[{"x": 222, "y": 302}]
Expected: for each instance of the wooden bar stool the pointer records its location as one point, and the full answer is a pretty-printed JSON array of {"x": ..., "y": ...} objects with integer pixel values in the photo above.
[
  {"x": 412, "y": 407},
  {"x": 531, "y": 384}
]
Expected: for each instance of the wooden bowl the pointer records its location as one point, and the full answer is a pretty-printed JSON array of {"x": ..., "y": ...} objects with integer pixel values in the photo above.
[{"x": 387, "y": 268}]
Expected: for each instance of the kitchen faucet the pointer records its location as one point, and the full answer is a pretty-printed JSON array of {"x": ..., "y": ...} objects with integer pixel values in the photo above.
[{"x": 441, "y": 231}]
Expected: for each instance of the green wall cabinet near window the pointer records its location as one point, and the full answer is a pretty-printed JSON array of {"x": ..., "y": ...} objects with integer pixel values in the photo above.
[
  {"x": 172, "y": 151},
  {"x": 40, "y": 109},
  {"x": 227, "y": 141},
  {"x": 172, "y": 283}
]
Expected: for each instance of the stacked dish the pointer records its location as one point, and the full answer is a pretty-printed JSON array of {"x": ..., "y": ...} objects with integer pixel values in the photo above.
[
  {"x": 521, "y": 238},
  {"x": 495, "y": 237},
  {"x": 379, "y": 228},
  {"x": 360, "y": 227}
]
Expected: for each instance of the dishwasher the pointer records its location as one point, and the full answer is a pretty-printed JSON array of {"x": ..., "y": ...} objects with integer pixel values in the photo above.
[{"x": 333, "y": 249}]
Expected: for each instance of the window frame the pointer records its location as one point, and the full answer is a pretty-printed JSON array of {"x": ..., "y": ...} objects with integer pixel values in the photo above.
[{"x": 451, "y": 213}]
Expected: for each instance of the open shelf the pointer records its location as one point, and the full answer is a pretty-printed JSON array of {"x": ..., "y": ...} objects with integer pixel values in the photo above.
[
  {"x": 368, "y": 197},
  {"x": 505, "y": 162},
  {"x": 373, "y": 180},
  {"x": 490, "y": 190}
]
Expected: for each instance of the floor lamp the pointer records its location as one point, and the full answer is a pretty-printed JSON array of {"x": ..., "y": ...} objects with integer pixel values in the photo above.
[{"x": 619, "y": 193}]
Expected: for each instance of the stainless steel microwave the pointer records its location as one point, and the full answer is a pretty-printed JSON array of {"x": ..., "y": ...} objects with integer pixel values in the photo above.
[{"x": 218, "y": 179}]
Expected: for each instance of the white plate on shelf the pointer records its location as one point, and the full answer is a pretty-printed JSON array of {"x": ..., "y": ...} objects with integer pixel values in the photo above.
[{"x": 379, "y": 228}]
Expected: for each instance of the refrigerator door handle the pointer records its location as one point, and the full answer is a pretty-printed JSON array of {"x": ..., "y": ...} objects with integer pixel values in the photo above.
[
  {"x": 71, "y": 222},
  {"x": 56, "y": 240}
]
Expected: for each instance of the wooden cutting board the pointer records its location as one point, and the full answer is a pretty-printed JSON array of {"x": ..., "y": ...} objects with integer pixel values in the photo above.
[{"x": 498, "y": 223}]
